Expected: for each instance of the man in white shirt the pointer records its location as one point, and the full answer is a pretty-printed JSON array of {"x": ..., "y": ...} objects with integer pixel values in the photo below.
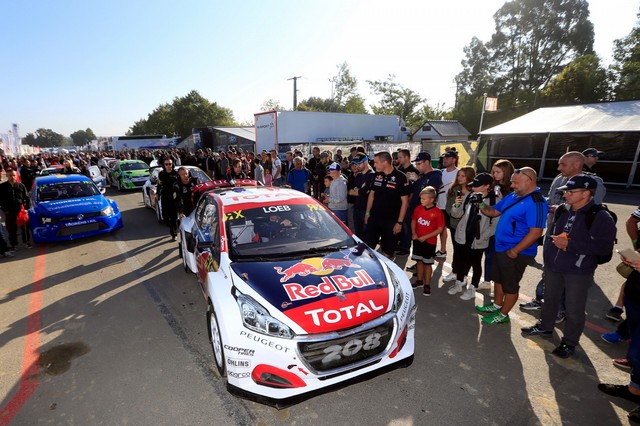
[
  {"x": 277, "y": 168},
  {"x": 449, "y": 174}
]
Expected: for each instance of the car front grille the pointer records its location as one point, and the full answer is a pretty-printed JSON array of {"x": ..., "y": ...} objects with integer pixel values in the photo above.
[
  {"x": 72, "y": 230},
  {"x": 74, "y": 218},
  {"x": 358, "y": 347}
]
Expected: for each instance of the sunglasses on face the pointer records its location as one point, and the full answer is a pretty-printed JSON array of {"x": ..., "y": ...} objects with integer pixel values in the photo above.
[{"x": 520, "y": 172}]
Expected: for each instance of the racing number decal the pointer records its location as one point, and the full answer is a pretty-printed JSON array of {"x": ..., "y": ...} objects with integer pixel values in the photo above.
[
  {"x": 313, "y": 207},
  {"x": 352, "y": 347},
  {"x": 234, "y": 215}
]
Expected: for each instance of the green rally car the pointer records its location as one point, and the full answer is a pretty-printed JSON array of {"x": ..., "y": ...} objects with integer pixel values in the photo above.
[{"x": 129, "y": 174}]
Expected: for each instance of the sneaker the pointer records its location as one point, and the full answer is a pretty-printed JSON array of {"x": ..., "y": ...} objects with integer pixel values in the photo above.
[
  {"x": 452, "y": 276},
  {"x": 621, "y": 391},
  {"x": 426, "y": 291},
  {"x": 412, "y": 268},
  {"x": 456, "y": 288},
  {"x": 534, "y": 305},
  {"x": 418, "y": 283},
  {"x": 535, "y": 330},
  {"x": 484, "y": 285},
  {"x": 441, "y": 253},
  {"x": 564, "y": 350},
  {"x": 469, "y": 294},
  {"x": 613, "y": 337},
  {"x": 615, "y": 314},
  {"x": 28, "y": 245},
  {"x": 622, "y": 363},
  {"x": 561, "y": 317},
  {"x": 8, "y": 254},
  {"x": 496, "y": 319},
  {"x": 487, "y": 309}
]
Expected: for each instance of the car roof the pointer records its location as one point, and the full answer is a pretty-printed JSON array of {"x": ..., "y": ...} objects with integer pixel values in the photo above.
[
  {"x": 260, "y": 195},
  {"x": 48, "y": 180},
  {"x": 131, "y": 161}
]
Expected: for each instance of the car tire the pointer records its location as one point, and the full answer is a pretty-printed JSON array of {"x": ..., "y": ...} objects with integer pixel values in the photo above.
[{"x": 215, "y": 337}]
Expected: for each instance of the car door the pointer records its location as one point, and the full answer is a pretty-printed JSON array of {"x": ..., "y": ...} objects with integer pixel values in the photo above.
[{"x": 207, "y": 240}]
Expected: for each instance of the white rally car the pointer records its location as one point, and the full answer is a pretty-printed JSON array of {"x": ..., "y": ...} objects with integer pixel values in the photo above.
[{"x": 296, "y": 303}]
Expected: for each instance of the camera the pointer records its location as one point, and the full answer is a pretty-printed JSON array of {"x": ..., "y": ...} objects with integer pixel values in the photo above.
[{"x": 475, "y": 198}]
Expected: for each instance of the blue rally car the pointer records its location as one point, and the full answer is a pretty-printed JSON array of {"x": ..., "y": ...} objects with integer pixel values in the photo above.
[{"x": 67, "y": 207}]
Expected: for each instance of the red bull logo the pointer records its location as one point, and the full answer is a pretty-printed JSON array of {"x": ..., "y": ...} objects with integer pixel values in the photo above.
[
  {"x": 315, "y": 266},
  {"x": 335, "y": 284}
]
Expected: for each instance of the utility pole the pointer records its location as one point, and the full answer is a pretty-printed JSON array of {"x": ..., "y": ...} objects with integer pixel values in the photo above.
[
  {"x": 295, "y": 91},
  {"x": 333, "y": 81},
  {"x": 484, "y": 104}
]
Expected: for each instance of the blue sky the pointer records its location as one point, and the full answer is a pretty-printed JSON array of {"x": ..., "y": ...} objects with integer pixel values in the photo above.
[{"x": 69, "y": 65}]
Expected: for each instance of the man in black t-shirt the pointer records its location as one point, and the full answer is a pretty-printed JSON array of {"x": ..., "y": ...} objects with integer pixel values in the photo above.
[
  {"x": 387, "y": 205},
  {"x": 360, "y": 191}
]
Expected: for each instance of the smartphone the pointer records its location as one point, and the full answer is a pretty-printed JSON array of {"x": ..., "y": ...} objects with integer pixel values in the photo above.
[
  {"x": 458, "y": 193},
  {"x": 629, "y": 254}
]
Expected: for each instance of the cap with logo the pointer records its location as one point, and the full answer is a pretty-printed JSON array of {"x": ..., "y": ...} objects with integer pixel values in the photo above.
[
  {"x": 482, "y": 179},
  {"x": 422, "y": 156},
  {"x": 333, "y": 167},
  {"x": 579, "y": 182},
  {"x": 359, "y": 159},
  {"x": 450, "y": 154},
  {"x": 592, "y": 152}
]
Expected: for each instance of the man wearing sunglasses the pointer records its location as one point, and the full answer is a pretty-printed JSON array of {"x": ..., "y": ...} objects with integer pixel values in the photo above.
[
  {"x": 591, "y": 157},
  {"x": 523, "y": 214},
  {"x": 570, "y": 260}
]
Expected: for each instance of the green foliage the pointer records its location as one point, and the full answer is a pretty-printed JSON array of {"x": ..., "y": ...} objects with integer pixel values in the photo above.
[
  {"x": 44, "y": 138},
  {"x": 271, "y": 105},
  {"x": 82, "y": 137},
  {"x": 345, "y": 96},
  {"x": 397, "y": 100},
  {"x": 625, "y": 69},
  {"x": 532, "y": 44},
  {"x": 183, "y": 114},
  {"x": 582, "y": 81}
]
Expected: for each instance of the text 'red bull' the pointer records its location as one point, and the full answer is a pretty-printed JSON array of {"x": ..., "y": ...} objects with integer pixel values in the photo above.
[{"x": 329, "y": 285}]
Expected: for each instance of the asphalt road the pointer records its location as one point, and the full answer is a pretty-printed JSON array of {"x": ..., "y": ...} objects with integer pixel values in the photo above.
[{"x": 120, "y": 331}]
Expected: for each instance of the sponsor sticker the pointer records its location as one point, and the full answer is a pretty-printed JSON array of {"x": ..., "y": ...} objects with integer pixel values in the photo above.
[
  {"x": 240, "y": 363},
  {"x": 241, "y": 351}
]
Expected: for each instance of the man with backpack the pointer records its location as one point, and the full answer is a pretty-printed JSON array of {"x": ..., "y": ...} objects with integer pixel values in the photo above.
[{"x": 582, "y": 235}]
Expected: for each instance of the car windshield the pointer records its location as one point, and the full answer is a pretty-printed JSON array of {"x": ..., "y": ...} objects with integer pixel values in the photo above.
[
  {"x": 200, "y": 175},
  {"x": 133, "y": 166},
  {"x": 283, "y": 230},
  {"x": 65, "y": 190}
]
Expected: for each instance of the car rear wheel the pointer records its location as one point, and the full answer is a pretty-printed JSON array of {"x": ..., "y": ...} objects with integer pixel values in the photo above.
[{"x": 215, "y": 337}]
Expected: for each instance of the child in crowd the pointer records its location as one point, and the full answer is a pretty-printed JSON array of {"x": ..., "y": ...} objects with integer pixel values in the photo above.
[
  {"x": 427, "y": 222},
  {"x": 327, "y": 185}
]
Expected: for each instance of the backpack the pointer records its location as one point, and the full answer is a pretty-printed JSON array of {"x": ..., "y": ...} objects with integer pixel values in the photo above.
[{"x": 589, "y": 218}]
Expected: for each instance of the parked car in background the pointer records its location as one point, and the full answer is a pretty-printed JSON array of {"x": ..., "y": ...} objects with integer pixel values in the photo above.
[
  {"x": 296, "y": 303},
  {"x": 97, "y": 178},
  {"x": 51, "y": 170},
  {"x": 150, "y": 190},
  {"x": 66, "y": 207},
  {"x": 129, "y": 174}
]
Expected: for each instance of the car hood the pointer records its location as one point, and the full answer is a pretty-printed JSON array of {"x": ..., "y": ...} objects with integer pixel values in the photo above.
[
  {"x": 321, "y": 294},
  {"x": 71, "y": 206}
]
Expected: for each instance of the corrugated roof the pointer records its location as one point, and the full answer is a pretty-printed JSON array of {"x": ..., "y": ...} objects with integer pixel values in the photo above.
[
  {"x": 588, "y": 118},
  {"x": 447, "y": 127},
  {"x": 247, "y": 132}
]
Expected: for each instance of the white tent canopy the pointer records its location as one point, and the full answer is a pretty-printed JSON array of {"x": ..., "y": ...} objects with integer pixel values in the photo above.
[{"x": 588, "y": 118}]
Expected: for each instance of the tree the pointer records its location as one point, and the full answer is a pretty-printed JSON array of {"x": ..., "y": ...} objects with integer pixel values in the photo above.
[
  {"x": 625, "y": 69},
  {"x": 532, "y": 44},
  {"x": 183, "y": 114},
  {"x": 582, "y": 81},
  {"x": 345, "y": 97},
  {"x": 44, "y": 138},
  {"x": 271, "y": 105},
  {"x": 82, "y": 137},
  {"x": 396, "y": 100}
]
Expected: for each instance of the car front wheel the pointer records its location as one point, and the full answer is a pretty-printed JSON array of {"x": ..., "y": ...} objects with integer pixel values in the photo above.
[{"x": 215, "y": 337}]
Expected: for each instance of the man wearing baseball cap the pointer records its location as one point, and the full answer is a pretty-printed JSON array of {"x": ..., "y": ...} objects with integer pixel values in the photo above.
[
  {"x": 361, "y": 187},
  {"x": 591, "y": 156},
  {"x": 337, "y": 200},
  {"x": 570, "y": 260}
]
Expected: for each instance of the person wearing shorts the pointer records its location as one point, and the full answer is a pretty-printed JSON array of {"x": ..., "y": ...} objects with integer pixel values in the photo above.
[
  {"x": 427, "y": 222},
  {"x": 523, "y": 216}
]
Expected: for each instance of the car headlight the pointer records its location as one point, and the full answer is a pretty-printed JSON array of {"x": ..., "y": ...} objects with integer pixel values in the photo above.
[
  {"x": 107, "y": 211},
  {"x": 398, "y": 294},
  {"x": 256, "y": 318}
]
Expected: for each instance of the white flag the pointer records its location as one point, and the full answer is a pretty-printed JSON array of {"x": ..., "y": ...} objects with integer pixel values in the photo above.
[{"x": 491, "y": 104}]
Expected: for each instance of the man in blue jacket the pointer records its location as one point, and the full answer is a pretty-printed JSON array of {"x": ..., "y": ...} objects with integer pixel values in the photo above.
[{"x": 571, "y": 260}]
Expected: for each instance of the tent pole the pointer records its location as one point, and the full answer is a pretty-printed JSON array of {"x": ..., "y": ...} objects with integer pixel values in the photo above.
[
  {"x": 543, "y": 163},
  {"x": 634, "y": 166}
]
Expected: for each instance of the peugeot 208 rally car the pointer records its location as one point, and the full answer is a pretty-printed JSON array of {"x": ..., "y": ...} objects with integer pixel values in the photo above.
[{"x": 296, "y": 302}]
